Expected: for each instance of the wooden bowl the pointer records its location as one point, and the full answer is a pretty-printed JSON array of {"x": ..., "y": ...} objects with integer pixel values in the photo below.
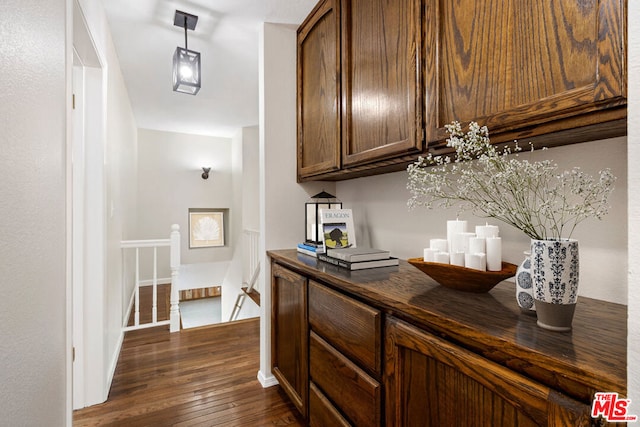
[{"x": 462, "y": 278}]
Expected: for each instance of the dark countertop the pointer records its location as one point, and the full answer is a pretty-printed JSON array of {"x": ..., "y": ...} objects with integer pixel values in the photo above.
[{"x": 590, "y": 358}]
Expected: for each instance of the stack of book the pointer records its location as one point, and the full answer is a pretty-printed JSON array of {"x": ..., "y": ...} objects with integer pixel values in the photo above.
[
  {"x": 310, "y": 248},
  {"x": 358, "y": 258}
]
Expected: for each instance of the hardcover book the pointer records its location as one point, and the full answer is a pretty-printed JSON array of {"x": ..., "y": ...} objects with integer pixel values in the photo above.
[
  {"x": 307, "y": 252},
  {"x": 310, "y": 248},
  {"x": 338, "y": 230},
  {"x": 358, "y": 254},
  {"x": 361, "y": 265}
]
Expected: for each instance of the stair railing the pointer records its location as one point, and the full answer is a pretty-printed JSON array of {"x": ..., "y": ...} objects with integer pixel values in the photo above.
[
  {"x": 251, "y": 269},
  {"x": 173, "y": 243}
]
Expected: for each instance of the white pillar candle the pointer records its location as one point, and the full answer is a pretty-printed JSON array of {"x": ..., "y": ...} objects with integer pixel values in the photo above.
[
  {"x": 494, "y": 253},
  {"x": 454, "y": 227},
  {"x": 477, "y": 261},
  {"x": 461, "y": 242},
  {"x": 429, "y": 254},
  {"x": 442, "y": 257},
  {"x": 477, "y": 245},
  {"x": 457, "y": 258},
  {"x": 439, "y": 244},
  {"x": 487, "y": 230}
]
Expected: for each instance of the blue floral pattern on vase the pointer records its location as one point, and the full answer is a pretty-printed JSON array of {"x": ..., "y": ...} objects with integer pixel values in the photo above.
[
  {"x": 555, "y": 270},
  {"x": 524, "y": 285}
]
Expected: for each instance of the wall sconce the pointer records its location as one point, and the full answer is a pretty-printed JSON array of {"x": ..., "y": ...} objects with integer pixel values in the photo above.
[
  {"x": 205, "y": 173},
  {"x": 186, "y": 63}
]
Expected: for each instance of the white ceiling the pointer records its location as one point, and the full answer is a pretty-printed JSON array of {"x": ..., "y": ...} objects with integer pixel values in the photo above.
[{"x": 226, "y": 35}]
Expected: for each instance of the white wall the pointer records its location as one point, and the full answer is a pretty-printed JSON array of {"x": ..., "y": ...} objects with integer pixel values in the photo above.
[
  {"x": 33, "y": 108},
  {"x": 111, "y": 203},
  {"x": 281, "y": 198},
  {"x": 383, "y": 219},
  {"x": 251, "y": 178},
  {"x": 121, "y": 202},
  {"x": 633, "y": 326},
  {"x": 169, "y": 183}
]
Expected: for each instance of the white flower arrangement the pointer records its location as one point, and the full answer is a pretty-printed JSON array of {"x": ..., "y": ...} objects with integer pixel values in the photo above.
[{"x": 532, "y": 196}]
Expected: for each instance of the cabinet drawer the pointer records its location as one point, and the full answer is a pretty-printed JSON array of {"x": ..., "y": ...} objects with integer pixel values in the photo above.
[
  {"x": 348, "y": 325},
  {"x": 352, "y": 391},
  {"x": 321, "y": 412}
]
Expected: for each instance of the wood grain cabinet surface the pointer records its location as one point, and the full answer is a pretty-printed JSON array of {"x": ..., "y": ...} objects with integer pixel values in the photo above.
[
  {"x": 290, "y": 334},
  {"x": 381, "y": 97},
  {"x": 389, "y": 346},
  {"x": 525, "y": 68},
  {"x": 379, "y": 79},
  {"x": 353, "y": 392},
  {"x": 431, "y": 382},
  {"x": 318, "y": 86},
  {"x": 350, "y": 326},
  {"x": 359, "y": 91}
]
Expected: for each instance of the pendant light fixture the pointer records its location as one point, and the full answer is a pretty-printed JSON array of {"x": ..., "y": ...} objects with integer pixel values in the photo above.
[{"x": 186, "y": 63}]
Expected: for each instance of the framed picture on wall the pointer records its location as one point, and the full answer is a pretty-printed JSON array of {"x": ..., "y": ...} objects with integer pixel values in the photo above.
[{"x": 206, "y": 228}]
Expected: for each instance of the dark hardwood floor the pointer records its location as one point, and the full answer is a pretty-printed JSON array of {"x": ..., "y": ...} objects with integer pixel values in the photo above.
[{"x": 196, "y": 377}]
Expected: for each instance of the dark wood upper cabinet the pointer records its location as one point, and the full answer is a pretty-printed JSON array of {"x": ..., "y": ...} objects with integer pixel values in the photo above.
[
  {"x": 319, "y": 91},
  {"x": 525, "y": 68},
  {"x": 379, "y": 79},
  {"x": 381, "y": 95},
  {"x": 359, "y": 85}
]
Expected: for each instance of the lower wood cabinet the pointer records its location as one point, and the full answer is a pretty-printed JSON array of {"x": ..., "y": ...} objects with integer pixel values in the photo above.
[
  {"x": 290, "y": 334},
  {"x": 361, "y": 351},
  {"x": 431, "y": 382}
]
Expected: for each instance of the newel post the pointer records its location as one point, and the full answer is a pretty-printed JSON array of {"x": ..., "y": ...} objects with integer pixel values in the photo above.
[{"x": 174, "y": 311}]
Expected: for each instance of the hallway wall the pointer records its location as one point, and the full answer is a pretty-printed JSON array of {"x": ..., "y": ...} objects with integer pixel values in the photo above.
[
  {"x": 33, "y": 323},
  {"x": 169, "y": 183}
]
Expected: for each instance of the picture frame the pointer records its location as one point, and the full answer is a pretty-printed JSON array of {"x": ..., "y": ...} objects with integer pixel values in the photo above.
[{"x": 206, "y": 228}]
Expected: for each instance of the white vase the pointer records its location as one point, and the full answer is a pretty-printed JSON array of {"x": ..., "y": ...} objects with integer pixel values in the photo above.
[
  {"x": 524, "y": 286},
  {"x": 555, "y": 266}
]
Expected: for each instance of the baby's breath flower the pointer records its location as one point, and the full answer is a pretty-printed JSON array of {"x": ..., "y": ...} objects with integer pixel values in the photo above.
[{"x": 532, "y": 196}]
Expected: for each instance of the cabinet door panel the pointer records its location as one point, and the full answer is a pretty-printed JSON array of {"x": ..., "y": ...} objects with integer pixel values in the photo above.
[
  {"x": 517, "y": 63},
  {"x": 382, "y": 104},
  {"x": 289, "y": 334},
  {"x": 319, "y": 91},
  {"x": 431, "y": 382}
]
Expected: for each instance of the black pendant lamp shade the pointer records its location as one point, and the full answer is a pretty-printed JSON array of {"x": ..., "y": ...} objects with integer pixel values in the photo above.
[{"x": 186, "y": 63}]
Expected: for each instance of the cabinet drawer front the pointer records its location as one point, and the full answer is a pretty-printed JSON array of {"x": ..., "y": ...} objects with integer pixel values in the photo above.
[
  {"x": 350, "y": 326},
  {"x": 321, "y": 412},
  {"x": 352, "y": 391}
]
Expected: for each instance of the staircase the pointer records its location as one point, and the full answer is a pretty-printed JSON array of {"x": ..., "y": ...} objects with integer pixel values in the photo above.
[{"x": 250, "y": 242}]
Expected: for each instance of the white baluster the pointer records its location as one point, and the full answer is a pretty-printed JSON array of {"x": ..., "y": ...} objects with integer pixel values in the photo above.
[
  {"x": 174, "y": 314},
  {"x": 137, "y": 300},
  {"x": 154, "y": 306}
]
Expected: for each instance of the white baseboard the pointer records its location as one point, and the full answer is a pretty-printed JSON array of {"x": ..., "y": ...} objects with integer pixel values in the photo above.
[
  {"x": 267, "y": 382},
  {"x": 113, "y": 364}
]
